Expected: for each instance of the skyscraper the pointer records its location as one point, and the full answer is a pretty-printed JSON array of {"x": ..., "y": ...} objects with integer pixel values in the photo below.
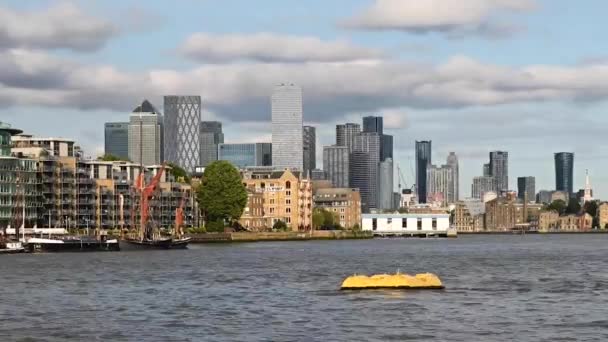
[
  {"x": 499, "y": 169},
  {"x": 440, "y": 184},
  {"x": 245, "y": 155},
  {"x": 310, "y": 148},
  {"x": 482, "y": 185},
  {"x": 564, "y": 172},
  {"x": 423, "y": 162},
  {"x": 526, "y": 188},
  {"x": 336, "y": 165},
  {"x": 345, "y": 134},
  {"x": 146, "y": 135},
  {"x": 360, "y": 176},
  {"x": 117, "y": 139},
  {"x": 486, "y": 170},
  {"x": 452, "y": 162},
  {"x": 386, "y": 149},
  {"x": 182, "y": 130},
  {"x": 287, "y": 142},
  {"x": 368, "y": 143},
  {"x": 211, "y": 136},
  {"x": 375, "y": 124},
  {"x": 385, "y": 186}
]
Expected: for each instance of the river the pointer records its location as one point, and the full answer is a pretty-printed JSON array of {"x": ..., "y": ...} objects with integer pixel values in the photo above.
[{"x": 498, "y": 288}]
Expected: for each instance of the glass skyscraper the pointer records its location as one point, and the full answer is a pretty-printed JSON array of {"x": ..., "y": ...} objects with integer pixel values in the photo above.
[
  {"x": 336, "y": 165},
  {"x": 310, "y": 149},
  {"x": 146, "y": 135},
  {"x": 345, "y": 134},
  {"x": 375, "y": 124},
  {"x": 369, "y": 144},
  {"x": 116, "y": 136},
  {"x": 182, "y": 130},
  {"x": 564, "y": 172},
  {"x": 245, "y": 155},
  {"x": 287, "y": 136},
  {"x": 211, "y": 136},
  {"x": 499, "y": 169},
  {"x": 526, "y": 188},
  {"x": 423, "y": 162}
]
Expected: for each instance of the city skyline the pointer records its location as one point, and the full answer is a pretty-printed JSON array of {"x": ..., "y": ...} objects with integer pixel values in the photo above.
[{"x": 337, "y": 61}]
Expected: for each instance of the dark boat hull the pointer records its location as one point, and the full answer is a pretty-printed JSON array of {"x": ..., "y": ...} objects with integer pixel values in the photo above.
[
  {"x": 73, "y": 246},
  {"x": 155, "y": 244}
]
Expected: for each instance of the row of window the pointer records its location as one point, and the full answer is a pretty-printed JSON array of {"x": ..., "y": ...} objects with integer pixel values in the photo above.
[{"x": 404, "y": 223}]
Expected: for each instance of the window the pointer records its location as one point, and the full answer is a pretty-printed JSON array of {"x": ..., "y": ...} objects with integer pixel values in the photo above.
[
  {"x": 288, "y": 201},
  {"x": 434, "y": 224},
  {"x": 404, "y": 223},
  {"x": 341, "y": 210},
  {"x": 287, "y": 193},
  {"x": 271, "y": 210},
  {"x": 419, "y": 224},
  {"x": 288, "y": 219},
  {"x": 288, "y": 210},
  {"x": 389, "y": 220},
  {"x": 288, "y": 185},
  {"x": 272, "y": 201},
  {"x": 374, "y": 224}
]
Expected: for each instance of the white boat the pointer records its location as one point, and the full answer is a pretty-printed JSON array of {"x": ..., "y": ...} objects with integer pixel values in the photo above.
[{"x": 12, "y": 248}]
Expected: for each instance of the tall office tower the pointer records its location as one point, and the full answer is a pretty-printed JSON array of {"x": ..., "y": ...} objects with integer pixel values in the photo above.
[
  {"x": 346, "y": 133},
  {"x": 564, "y": 172},
  {"x": 386, "y": 147},
  {"x": 499, "y": 169},
  {"x": 182, "y": 131},
  {"x": 287, "y": 144},
  {"x": 146, "y": 135},
  {"x": 336, "y": 165},
  {"x": 486, "y": 170},
  {"x": 423, "y": 162},
  {"x": 440, "y": 184},
  {"x": 482, "y": 185},
  {"x": 369, "y": 143},
  {"x": 211, "y": 136},
  {"x": 526, "y": 188},
  {"x": 360, "y": 176},
  {"x": 117, "y": 139},
  {"x": 245, "y": 155},
  {"x": 544, "y": 196},
  {"x": 452, "y": 162},
  {"x": 375, "y": 124},
  {"x": 385, "y": 187},
  {"x": 309, "y": 140}
]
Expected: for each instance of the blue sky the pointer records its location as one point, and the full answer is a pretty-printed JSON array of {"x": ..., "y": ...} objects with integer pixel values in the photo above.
[{"x": 526, "y": 76}]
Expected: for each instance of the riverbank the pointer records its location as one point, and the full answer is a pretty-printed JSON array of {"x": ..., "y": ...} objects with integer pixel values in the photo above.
[
  {"x": 511, "y": 232},
  {"x": 279, "y": 236}
]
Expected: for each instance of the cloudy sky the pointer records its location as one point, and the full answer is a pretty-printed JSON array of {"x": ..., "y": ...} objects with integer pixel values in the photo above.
[{"x": 526, "y": 76}]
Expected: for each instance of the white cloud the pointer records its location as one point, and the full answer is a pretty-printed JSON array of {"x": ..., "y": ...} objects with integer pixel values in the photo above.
[
  {"x": 452, "y": 17},
  {"x": 63, "y": 26},
  {"x": 269, "y": 47}
]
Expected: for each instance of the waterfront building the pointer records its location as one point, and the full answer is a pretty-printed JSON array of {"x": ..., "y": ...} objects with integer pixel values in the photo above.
[
  {"x": 309, "y": 148},
  {"x": 253, "y": 214},
  {"x": 369, "y": 144},
  {"x": 146, "y": 135},
  {"x": 603, "y": 215},
  {"x": 287, "y": 137},
  {"x": 287, "y": 196},
  {"x": 548, "y": 221},
  {"x": 317, "y": 174},
  {"x": 244, "y": 155},
  {"x": 452, "y": 162},
  {"x": 469, "y": 215},
  {"x": 345, "y": 203},
  {"x": 408, "y": 198},
  {"x": 406, "y": 224},
  {"x": 346, "y": 133},
  {"x": 501, "y": 214},
  {"x": 182, "y": 130},
  {"x": 423, "y": 162},
  {"x": 440, "y": 181},
  {"x": 482, "y": 185},
  {"x": 116, "y": 136},
  {"x": 499, "y": 169},
  {"x": 385, "y": 186},
  {"x": 564, "y": 172},
  {"x": 544, "y": 197},
  {"x": 526, "y": 188},
  {"x": 211, "y": 136}
]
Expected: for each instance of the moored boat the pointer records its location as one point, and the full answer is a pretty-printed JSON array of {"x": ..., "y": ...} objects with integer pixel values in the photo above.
[{"x": 71, "y": 244}]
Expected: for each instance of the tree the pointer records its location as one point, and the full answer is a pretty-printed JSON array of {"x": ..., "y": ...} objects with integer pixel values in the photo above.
[
  {"x": 178, "y": 173},
  {"x": 318, "y": 219},
  {"x": 329, "y": 220},
  {"x": 111, "y": 157},
  {"x": 590, "y": 208},
  {"x": 279, "y": 225},
  {"x": 221, "y": 194},
  {"x": 574, "y": 207},
  {"x": 557, "y": 205}
]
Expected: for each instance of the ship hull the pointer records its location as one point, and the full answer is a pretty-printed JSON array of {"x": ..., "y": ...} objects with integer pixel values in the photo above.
[
  {"x": 50, "y": 245},
  {"x": 134, "y": 244}
]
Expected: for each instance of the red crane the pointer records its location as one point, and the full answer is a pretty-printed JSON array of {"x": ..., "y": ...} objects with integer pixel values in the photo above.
[
  {"x": 179, "y": 216},
  {"x": 146, "y": 193}
]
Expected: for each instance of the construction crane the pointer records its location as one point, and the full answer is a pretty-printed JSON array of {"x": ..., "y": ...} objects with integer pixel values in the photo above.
[
  {"x": 179, "y": 216},
  {"x": 146, "y": 193},
  {"x": 402, "y": 179}
]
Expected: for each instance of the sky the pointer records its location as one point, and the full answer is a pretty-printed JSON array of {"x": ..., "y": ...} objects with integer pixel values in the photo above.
[{"x": 525, "y": 76}]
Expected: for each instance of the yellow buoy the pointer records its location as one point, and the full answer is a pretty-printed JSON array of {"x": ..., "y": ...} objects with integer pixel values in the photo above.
[{"x": 392, "y": 281}]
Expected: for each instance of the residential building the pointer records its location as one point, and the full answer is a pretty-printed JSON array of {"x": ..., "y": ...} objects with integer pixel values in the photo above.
[
  {"x": 440, "y": 184},
  {"x": 544, "y": 196},
  {"x": 211, "y": 136},
  {"x": 146, "y": 135},
  {"x": 603, "y": 215},
  {"x": 375, "y": 124},
  {"x": 287, "y": 137},
  {"x": 244, "y": 155},
  {"x": 564, "y": 172},
  {"x": 452, "y": 162},
  {"x": 346, "y": 133},
  {"x": 499, "y": 169},
  {"x": 116, "y": 136},
  {"x": 309, "y": 148},
  {"x": 360, "y": 176},
  {"x": 548, "y": 221},
  {"x": 469, "y": 215},
  {"x": 486, "y": 170},
  {"x": 253, "y": 213},
  {"x": 182, "y": 129},
  {"x": 482, "y": 185},
  {"x": 501, "y": 214},
  {"x": 385, "y": 186},
  {"x": 368, "y": 143},
  {"x": 423, "y": 162},
  {"x": 317, "y": 174},
  {"x": 287, "y": 196},
  {"x": 344, "y": 202},
  {"x": 526, "y": 188}
]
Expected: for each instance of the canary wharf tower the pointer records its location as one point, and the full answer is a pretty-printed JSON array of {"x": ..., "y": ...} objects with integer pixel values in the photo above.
[
  {"x": 287, "y": 139},
  {"x": 182, "y": 131}
]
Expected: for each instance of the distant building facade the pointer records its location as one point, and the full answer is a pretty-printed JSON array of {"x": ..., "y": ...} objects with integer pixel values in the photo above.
[
  {"x": 336, "y": 164},
  {"x": 469, "y": 216},
  {"x": 482, "y": 185},
  {"x": 603, "y": 215},
  {"x": 544, "y": 196},
  {"x": 211, "y": 136},
  {"x": 309, "y": 148},
  {"x": 452, "y": 162},
  {"x": 346, "y": 133},
  {"x": 244, "y": 155},
  {"x": 146, "y": 138},
  {"x": 385, "y": 185},
  {"x": 116, "y": 136},
  {"x": 345, "y": 203},
  {"x": 564, "y": 172},
  {"x": 499, "y": 169},
  {"x": 423, "y": 162},
  {"x": 182, "y": 130},
  {"x": 287, "y": 136},
  {"x": 526, "y": 188},
  {"x": 369, "y": 144},
  {"x": 317, "y": 174}
]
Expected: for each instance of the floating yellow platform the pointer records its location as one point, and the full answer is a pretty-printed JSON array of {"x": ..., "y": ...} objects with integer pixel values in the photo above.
[{"x": 392, "y": 281}]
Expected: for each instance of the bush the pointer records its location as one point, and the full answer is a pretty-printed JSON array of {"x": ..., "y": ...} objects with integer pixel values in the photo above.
[
  {"x": 215, "y": 226},
  {"x": 356, "y": 227},
  {"x": 200, "y": 230},
  {"x": 279, "y": 225}
]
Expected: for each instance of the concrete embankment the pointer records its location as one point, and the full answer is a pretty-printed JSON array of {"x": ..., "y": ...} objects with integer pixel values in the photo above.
[{"x": 279, "y": 236}]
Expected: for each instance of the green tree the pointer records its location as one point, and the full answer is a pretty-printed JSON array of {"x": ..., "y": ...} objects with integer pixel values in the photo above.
[
  {"x": 318, "y": 219},
  {"x": 329, "y": 219},
  {"x": 178, "y": 173},
  {"x": 574, "y": 207},
  {"x": 590, "y": 208},
  {"x": 221, "y": 194},
  {"x": 111, "y": 157},
  {"x": 403, "y": 210},
  {"x": 279, "y": 225},
  {"x": 557, "y": 205}
]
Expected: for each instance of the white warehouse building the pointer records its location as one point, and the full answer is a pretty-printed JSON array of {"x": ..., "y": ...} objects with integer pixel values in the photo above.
[{"x": 407, "y": 224}]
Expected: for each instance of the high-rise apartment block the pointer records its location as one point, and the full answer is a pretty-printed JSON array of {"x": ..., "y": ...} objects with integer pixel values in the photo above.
[
  {"x": 336, "y": 165},
  {"x": 385, "y": 185},
  {"x": 482, "y": 185},
  {"x": 440, "y": 184},
  {"x": 287, "y": 137},
  {"x": 375, "y": 124},
  {"x": 146, "y": 135},
  {"x": 116, "y": 136},
  {"x": 211, "y": 136},
  {"x": 452, "y": 162},
  {"x": 526, "y": 188},
  {"x": 310, "y": 148},
  {"x": 423, "y": 162},
  {"x": 564, "y": 172},
  {"x": 346, "y": 133},
  {"x": 499, "y": 169},
  {"x": 368, "y": 143},
  {"x": 182, "y": 131}
]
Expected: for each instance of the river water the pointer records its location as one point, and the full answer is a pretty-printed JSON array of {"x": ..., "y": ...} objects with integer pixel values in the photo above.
[{"x": 498, "y": 288}]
